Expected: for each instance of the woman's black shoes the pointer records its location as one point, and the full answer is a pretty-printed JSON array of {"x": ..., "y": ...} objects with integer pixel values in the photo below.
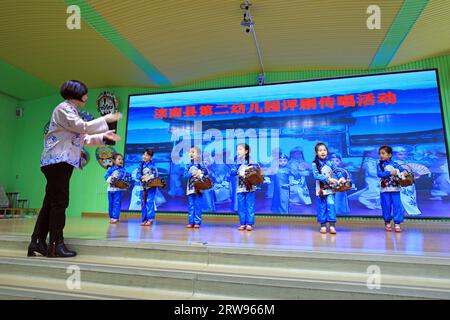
[
  {"x": 38, "y": 246},
  {"x": 53, "y": 250},
  {"x": 59, "y": 250}
]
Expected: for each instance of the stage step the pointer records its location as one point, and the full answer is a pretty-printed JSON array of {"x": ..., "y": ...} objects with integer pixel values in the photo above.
[{"x": 195, "y": 270}]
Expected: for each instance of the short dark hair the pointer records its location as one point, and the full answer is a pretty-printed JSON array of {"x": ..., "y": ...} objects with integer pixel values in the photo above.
[
  {"x": 73, "y": 89},
  {"x": 148, "y": 151},
  {"x": 387, "y": 149},
  {"x": 316, "y": 158},
  {"x": 318, "y": 145}
]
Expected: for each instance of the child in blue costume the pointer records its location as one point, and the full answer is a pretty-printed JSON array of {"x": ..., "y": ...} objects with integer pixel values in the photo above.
[
  {"x": 115, "y": 172},
  {"x": 147, "y": 171},
  {"x": 194, "y": 170},
  {"x": 322, "y": 171},
  {"x": 390, "y": 174},
  {"x": 245, "y": 195}
]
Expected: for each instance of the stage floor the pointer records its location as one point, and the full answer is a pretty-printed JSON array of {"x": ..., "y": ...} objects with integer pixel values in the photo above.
[{"x": 354, "y": 236}]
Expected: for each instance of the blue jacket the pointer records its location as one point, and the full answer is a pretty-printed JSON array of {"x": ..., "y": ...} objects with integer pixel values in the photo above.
[
  {"x": 147, "y": 169},
  {"x": 189, "y": 171},
  {"x": 111, "y": 172},
  {"x": 322, "y": 174},
  {"x": 241, "y": 167}
]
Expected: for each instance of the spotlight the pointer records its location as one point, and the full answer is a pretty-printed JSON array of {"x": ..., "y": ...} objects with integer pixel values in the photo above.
[
  {"x": 246, "y": 5},
  {"x": 247, "y": 21},
  {"x": 248, "y": 24},
  {"x": 261, "y": 78}
]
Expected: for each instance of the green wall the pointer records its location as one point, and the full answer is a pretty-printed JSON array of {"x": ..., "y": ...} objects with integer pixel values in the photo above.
[
  {"x": 88, "y": 189},
  {"x": 8, "y": 124}
]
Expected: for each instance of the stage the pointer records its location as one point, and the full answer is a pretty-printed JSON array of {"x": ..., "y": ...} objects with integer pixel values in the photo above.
[
  {"x": 281, "y": 259},
  {"x": 289, "y": 233}
]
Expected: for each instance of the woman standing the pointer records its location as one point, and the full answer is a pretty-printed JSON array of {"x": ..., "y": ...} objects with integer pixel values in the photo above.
[{"x": 67, "y": 134}]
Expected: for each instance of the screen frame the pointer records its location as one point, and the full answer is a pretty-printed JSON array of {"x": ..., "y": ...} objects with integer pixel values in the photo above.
[{"x": 436, "y": 71}]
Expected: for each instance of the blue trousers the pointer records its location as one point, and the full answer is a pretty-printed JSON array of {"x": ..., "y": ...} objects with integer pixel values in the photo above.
[
  {"x": 326, "y": 210},
  {"x": 115, "y": 202},
  {"x": 246, "y": 208},
  {"x": 391, "y": 203},
  {"x": 195, "y": 208},
  {"x": 148, "y": 205}
]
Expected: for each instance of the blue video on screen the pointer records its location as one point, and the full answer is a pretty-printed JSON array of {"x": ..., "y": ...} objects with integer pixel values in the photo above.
[{"x": 281, "y": 123}]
